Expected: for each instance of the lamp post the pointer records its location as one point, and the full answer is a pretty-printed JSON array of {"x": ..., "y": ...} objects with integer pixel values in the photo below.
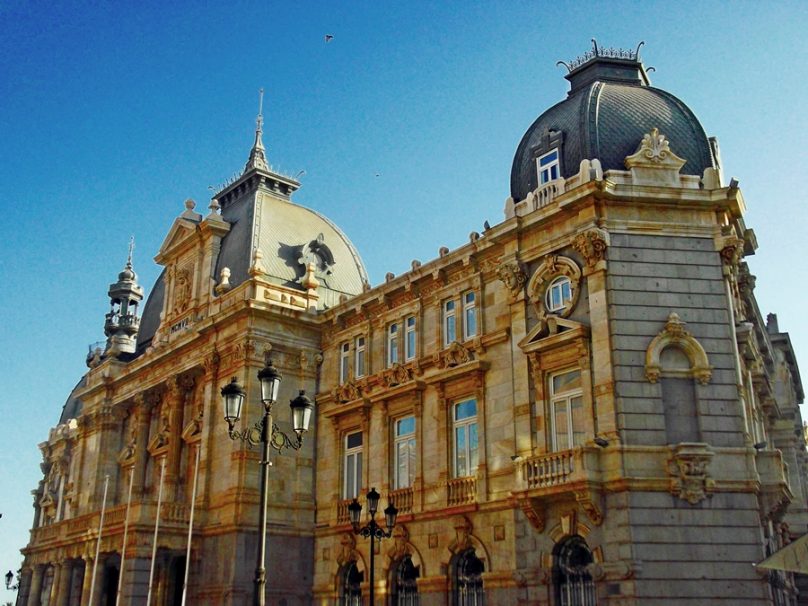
[
  {"x": 372, "y": 529},
  {"x": 267, "y": 434}
]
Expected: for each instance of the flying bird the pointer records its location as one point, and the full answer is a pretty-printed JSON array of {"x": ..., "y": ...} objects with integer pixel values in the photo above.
[{"x": 328, "y": 38}]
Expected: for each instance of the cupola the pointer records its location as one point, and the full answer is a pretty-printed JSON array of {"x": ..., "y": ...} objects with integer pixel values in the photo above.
[{"x": 122, "y": 321}]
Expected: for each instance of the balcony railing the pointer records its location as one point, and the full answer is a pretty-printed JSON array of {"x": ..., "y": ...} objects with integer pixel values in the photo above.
[
  {"x": 461, "y": 491},
  {"x": 342, "y": 511},
  {"x": 402, "y": 499},
  {"x": 548, "y": 470}
]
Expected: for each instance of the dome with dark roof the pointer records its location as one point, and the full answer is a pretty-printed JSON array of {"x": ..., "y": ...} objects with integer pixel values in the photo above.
[
  {"x": 73, "y": 405},
  {"x": 609, "y": 107}
]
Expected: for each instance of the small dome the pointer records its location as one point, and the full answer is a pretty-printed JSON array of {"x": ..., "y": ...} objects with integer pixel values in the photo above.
[
  {"x": 73, "y": 406},
  {"x": 127, "y": 275},
  {"x": 609, "y": 108}
]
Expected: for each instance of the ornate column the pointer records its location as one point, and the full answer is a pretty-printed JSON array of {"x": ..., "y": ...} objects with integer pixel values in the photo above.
[
  {"x": 142, "y": 410},
  {"x": 61, "y": 589},
  {"x": 174, "y": 405},
  {"x": 36, "y": 585}
]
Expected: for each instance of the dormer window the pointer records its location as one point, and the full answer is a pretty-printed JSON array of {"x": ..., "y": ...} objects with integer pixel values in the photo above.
[{"x": 548, "y": 167}]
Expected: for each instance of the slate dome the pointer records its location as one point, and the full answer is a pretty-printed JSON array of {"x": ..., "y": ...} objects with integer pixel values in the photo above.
[{"x": 609, "y": 107}]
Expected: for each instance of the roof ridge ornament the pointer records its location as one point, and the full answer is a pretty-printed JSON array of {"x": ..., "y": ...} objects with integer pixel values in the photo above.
[
  {"x": 609, "y": 53},
  {"x": 258, "y": 159}
]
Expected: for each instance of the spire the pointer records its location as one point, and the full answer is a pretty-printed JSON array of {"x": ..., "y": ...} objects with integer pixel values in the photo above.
[{"x": 258, "y": 158}]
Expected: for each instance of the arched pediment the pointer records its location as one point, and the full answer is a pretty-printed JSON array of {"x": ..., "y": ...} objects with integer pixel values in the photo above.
[{"x": 675, "y": 335}]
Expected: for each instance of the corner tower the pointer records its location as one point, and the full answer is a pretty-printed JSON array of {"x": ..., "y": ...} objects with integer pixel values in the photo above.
[{"x": 122, "y": 322}]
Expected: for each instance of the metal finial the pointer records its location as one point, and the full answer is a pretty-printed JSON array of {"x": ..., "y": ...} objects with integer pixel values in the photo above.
[
  {"x": 259, "y": 120},
  {"x": 637, "y": 52},
  {"x": 569, "y": 69},
  {"x": 595, "y": 46},
  {"x": 131, "y": 250}
]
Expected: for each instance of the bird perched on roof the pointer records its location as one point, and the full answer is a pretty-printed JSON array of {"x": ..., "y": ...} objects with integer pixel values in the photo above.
[{"x": 328, "y": 38}]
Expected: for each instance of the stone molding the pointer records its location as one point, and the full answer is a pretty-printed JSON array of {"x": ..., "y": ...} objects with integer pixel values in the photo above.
[{"x": 674, "y": 334}]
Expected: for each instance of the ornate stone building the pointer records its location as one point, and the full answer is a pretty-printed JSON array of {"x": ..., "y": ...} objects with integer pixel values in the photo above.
[{"x": 581, "y": 405}]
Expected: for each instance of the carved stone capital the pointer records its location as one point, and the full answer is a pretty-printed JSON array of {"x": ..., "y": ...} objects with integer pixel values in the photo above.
[
  {"x": 513, "y": 276},
  {"x": 591, "y": 245}
]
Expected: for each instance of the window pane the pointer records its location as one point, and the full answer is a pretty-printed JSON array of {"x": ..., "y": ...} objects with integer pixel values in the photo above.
[
  {"x": 405, "y": 426},
  {"x": 402, "y": 460},
  {"x": 469, "y": 298},
  {"x": 551, "y": 157},
  {"x": 449, "y": 306},
  {"x": 450, "y": 329},
  {"x": 411, "y": 462},
  {"x": 556, "y": 297},
  {"x": 460, "y": 452},
  {"x": 560, "y": 425},
  {"x": 567, "y": 381},
  {"x": 464, "y": 410},
  {"x": 472, "y": 448},
  {"x": 471, "y": 322},
  {"x": 358, "y": 456},
  {"x": 354, "y": 440},
  {"x": 577, "y": 406},
  {"x": 360, "y": 363},
  {"x": 410, "y": 344},
  {"x": 566, "y": 291}
]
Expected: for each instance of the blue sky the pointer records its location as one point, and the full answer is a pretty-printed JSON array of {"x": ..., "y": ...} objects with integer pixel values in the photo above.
[{"x": 112, "y": 114}]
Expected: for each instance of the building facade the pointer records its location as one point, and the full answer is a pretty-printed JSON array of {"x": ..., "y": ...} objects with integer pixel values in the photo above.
[{"x": 581, "y": 405}]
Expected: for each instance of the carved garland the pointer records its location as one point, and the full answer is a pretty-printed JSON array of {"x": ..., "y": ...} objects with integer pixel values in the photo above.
[{"x": 675, "y": 334}]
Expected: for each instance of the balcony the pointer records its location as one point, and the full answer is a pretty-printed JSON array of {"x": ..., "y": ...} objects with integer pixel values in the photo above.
[
  {"x": 775, "y": 492},
  {"x": 461, "y": 491},
  {"x": 342, "y": 511},
  {"x": 402, "y": 499},
  {"x": 558, "y": 472}
]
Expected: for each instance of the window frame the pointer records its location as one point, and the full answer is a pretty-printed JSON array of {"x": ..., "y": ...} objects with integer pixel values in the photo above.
[
  {"x": 553, "y": 163},
  {"x": 351, "y": 455},
  {"x": 393, "y": 339},
  {"x": 410, "y": 440},
  {"x": 360, "y": 356},
  {"x": 344, "y": 362},
  {"x": 410, "y": 353},
  {"x": 469, "y": 310},
  {"x": 558, "y": 283},
  {"x": 566, "y": 397},
  {"x": 465, "y": 424},
  {"x": 449, "y": 314}
]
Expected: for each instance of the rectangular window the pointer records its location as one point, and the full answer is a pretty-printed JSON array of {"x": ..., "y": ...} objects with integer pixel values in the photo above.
[
  {"x": 344, "y": 362},
  {"x": 409, "y": 343},
  {"x": 359, "y": 353},
  {"x": 548, "y": 167},
  {"x": 469, "y": 315},
  {"x": 465, "y": 438},
  {"x": 449, "y": 323},
  {"x": 352, "y": 482},
  {"x": 404, "y": 463},
  {"x": 566, "y": 410},
  {"x": 392, "y": 344}
]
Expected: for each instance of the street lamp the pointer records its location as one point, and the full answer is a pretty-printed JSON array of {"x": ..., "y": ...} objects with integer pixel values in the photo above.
[
  {"x": 266, "y": 433},
  {"x": 372, "y": 529}
]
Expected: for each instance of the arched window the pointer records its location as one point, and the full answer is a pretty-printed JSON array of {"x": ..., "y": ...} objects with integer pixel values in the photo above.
[
  {"x": 572, "y": 582},
  {"x": 404, "y": 583},
  {"x": 351, "y": 585},
  {"x": 467, "y": 579}
]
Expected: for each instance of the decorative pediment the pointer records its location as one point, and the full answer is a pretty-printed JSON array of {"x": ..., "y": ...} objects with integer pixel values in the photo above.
[
  {"x": 654, "y": 163},
  {"x": 183, "y": 228},
  {"x": 551, "y": 332},
  {"x": 193, "y": 431}
]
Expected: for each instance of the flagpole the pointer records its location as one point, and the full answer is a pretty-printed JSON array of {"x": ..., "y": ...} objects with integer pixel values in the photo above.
[
  {"x": 125, "y": 532},
  {"x": 191, "y": 524},
  {"x": 156, "y": 529},
  {"x": 98, "y": 542}
]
